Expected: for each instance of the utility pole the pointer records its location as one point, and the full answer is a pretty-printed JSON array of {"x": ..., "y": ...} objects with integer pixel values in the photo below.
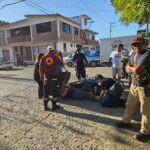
[{"x": 111, "y": 26}]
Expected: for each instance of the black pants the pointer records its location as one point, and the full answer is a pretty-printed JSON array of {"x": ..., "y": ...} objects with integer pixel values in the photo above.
[
  {"x": 40, "y": 87},
  {"x": 124, "y": 73},
  {"x": 80, "y": 72},
  {"x": 51, "y": 86}
]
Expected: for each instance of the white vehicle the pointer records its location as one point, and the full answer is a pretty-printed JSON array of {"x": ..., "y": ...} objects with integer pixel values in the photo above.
[
  {"x": 106, "y": 46},
  {"x": 93, "y": 59},
  {"x": 5, "y": 65}
]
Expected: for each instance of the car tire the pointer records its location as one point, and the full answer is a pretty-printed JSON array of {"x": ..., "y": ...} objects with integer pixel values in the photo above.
[
  {"x": 93, "y": 64},
  {"x": 69, "y": 64}
]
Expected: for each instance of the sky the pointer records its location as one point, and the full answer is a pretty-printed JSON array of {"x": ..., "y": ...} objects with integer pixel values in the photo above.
[{"x": 101, "y": 12}]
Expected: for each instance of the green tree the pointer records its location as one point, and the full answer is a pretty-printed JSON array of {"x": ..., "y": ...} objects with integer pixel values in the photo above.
[
  {"x": 3, "y": 22},
  {"x": 133, "y": 11}
]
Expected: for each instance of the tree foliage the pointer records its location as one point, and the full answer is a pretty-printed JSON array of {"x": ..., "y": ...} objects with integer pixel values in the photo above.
[
  {"x": 133, "y": 11},
  {"x": 3, "y": 22}
]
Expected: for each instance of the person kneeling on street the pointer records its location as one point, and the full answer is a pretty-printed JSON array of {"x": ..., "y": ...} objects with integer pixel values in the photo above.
[{"x": 111, "y": 92}]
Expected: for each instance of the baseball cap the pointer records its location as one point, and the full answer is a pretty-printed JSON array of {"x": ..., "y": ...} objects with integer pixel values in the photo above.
[
  {"x": 50, "y": 48},
  {"x": 138, "y": 40}
]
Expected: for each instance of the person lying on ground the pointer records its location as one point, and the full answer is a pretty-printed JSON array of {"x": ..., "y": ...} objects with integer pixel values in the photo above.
[{"x": 83, "y": 93}]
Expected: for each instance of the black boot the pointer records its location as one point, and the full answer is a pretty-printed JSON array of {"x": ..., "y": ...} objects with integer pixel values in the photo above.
[
  {"x": 46, "y": 104},
  {"x": 54, "y": 105}
]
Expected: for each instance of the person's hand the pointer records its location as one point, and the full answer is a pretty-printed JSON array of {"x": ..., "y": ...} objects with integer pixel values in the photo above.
[
  {"x": 66, "y": 70},
  {"x": 128, "y": 69},
  {"x": 42, "y": 76}
]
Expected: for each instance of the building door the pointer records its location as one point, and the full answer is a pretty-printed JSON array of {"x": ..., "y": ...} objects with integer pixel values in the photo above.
[{"x": 6, "y": 55}]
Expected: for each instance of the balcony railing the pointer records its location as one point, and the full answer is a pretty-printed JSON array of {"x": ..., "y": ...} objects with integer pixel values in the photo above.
[
  {"x": 26, "y": 38},
  {"x": 89, "y": 41}
]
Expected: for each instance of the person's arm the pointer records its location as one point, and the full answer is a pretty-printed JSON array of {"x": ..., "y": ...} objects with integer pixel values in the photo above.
[
  {"x": 41, "y": 68},
  {"x": 139, "y": 67},
  {"x": 109, "y": 62},
  {"x": 85, "y": 59}
]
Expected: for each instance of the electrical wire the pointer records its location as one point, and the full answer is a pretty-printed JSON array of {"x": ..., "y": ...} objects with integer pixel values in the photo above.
[
  {"x": 9, "y": 4},
  {"x": 39, "y": 6},
  {"x": 92, "y": 10},
  {"x": 43, "y": 11}
]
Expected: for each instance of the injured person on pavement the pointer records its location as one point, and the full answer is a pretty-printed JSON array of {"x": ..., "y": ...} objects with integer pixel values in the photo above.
[{"x": 82, "y": 93}]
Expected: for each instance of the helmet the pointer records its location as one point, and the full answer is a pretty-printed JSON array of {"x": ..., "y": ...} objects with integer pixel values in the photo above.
[{"x": 50, "y": 48}]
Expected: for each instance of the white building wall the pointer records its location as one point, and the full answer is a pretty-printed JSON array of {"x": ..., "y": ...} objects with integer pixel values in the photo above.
[
  {"x": 83, "y": 26},
  {"x": 59, "y": 47}
]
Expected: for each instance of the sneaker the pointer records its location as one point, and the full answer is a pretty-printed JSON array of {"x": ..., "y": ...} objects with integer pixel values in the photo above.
[
  {"x": 122, "y": 124},
  {"x": 142, "y": 137}
]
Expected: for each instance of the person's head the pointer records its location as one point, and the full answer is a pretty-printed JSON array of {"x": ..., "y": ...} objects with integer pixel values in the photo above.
[
  {"x": 51, "y": 49},
  {"x": 78, "y": 51},
  {"x": 139, "y": 44},
  {"x": 99, "y": 77},
  {"x": 59, "y": 54},
  {"x": 119, "y": 47},
  {"x": 39, "y": 56}
]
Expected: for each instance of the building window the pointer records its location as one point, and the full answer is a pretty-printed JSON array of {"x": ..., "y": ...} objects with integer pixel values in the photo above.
[
  {"x": 66, "y": 27},
  {"x": 43, "y": 27},
  {"x": 76, "y": 31},
  {"x": 1, "y": 35},
  {"x": 20, "y": 31},
  {"x": 71, "y": 45},
  {"x": 85, "y": 22},
  {"x": 64, "y": 47},
  {"x": 93, "y": 37}
]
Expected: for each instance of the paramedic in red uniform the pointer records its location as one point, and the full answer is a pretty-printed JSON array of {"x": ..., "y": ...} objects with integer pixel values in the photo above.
[{"x": 49, "y": 72}]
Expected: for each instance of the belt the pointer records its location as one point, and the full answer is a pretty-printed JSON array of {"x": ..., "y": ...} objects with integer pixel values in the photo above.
[{"x": 136, "y": 84}]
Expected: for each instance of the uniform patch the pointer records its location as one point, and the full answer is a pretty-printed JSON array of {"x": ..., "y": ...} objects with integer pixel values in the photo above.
[{"x": 49, "y": 61}]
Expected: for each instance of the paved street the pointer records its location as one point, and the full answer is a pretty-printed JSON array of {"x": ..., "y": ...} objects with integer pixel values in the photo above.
[{"x": 78, "y": 125}]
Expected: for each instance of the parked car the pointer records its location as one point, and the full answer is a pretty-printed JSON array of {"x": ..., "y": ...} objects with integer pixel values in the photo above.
[
  {"x": 93, "y": 59},
  {"x": 5, "y": 65}
]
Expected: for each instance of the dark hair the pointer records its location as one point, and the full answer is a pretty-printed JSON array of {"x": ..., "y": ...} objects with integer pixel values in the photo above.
[
  {"x": 39, "y": 56},
  {"x": 120, "y": 45},
  {"x": 99, "y": 77}
]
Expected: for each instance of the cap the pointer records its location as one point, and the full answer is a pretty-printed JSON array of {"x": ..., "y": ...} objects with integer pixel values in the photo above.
[
  {"x": 50, "y": 48},
  {"x": 138, "y": 40}
]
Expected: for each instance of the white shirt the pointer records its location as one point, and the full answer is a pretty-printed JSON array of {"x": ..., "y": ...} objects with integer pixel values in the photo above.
[
  {"x": 131, "y": 57},
  {"x": 116, "y": 59}
]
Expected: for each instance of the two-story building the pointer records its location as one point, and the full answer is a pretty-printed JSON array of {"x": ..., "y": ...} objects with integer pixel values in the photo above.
[{"x": 32, "y": 35}]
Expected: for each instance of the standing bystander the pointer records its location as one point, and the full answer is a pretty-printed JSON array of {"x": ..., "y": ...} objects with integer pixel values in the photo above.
[{"x": 140, "y": 90}]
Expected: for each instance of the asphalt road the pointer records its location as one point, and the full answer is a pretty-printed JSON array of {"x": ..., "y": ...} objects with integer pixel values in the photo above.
[{"x": 78, "y": 125}]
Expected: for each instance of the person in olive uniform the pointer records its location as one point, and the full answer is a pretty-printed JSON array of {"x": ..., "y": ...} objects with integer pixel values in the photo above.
[{"x": 140, "y": 89}]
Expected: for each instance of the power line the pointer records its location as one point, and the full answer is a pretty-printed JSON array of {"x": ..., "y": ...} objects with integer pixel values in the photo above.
[
  {"x": 37, "y": 8},
  {"x": 92, "y": 10},
  {"x": 9, "y": 4},
  {"x": 37, "y": 5}
]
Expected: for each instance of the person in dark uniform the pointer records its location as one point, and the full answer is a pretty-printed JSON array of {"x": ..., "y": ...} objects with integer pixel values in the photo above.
[
  {"x": 49, "y": 72},
  {"x": 36, "y": 75},
  {"x": 79, "y": 59}
]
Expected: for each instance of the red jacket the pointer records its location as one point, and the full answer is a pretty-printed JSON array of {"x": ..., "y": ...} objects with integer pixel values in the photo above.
[{"x": 50, "y": 62}]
